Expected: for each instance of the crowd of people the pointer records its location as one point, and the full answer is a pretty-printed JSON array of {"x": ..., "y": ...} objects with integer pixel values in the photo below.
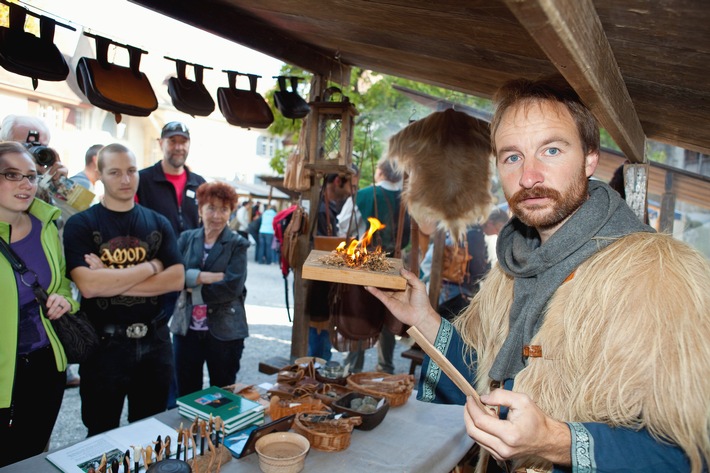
[
  {"x": 156, "y": 234},
  {"x": 588, "y": 336}
]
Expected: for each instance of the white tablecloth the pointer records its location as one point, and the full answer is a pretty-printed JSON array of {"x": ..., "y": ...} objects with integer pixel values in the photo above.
[{"x": 415, "y": 438}]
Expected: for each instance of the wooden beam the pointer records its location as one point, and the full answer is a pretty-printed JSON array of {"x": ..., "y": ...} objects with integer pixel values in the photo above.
[
  {"x": 572, "y": 36},
  {"x": 667, "y": 217},
  {"x": 437, "y": 262},
  {"x": 245, "y": 29}
]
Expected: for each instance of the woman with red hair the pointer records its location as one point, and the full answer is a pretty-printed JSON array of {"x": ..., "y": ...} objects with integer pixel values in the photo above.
[{"x": 210, "y": 325}]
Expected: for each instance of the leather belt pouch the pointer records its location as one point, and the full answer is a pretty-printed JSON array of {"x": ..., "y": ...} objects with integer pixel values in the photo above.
[
  {"x": 244, "y": 108},
  {"x": 28, "y": 55},
  {"x": 114, "y": 88},
  {"x": 189, "y": 96}
]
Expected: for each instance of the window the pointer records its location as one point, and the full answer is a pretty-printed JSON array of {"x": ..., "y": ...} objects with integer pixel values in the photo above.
[{"x": 267, "y": 146}]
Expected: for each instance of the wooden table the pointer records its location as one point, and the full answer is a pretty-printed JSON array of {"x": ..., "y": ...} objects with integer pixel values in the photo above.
[{"x": 417, "y": 437}]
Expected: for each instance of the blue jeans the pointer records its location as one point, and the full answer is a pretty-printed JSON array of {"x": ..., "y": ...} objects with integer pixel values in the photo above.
[
  {"x": 196, "y": 348},
  {"x": 137, "y": 368},
  {"x": 265, "y": 253},
  {"x": 319, "y": 343}
]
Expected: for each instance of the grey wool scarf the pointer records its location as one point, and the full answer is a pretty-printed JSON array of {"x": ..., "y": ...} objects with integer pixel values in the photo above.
[{"x": 540, "y": 269}]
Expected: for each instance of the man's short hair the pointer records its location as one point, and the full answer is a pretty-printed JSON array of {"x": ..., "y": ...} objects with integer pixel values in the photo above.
[
  {"x": 91, "y": 152},
  {"x": 553, "y": 89},
  {"x": 388, "y": 170},
  {"x": 109, "y": 149}
]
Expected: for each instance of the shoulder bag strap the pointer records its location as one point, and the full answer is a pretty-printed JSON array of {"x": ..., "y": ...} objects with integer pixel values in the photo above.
[
  {"x": 21, "y": 268},
  {"x": 17, "y": 264}
]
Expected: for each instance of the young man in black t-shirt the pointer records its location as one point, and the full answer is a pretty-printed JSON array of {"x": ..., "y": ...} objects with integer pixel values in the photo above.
[{"x": 123, "y": 257}]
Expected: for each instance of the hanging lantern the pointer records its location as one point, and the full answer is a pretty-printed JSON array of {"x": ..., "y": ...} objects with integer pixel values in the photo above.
[{"x": 330, "y": 128}]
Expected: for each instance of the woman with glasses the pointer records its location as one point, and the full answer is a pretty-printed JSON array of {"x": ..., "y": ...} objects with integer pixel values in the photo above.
[
  {"x": 211, "y": 325},
  {"x": 32, "y": 360}
]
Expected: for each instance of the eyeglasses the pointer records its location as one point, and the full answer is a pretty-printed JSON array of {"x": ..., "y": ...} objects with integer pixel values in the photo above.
[{"x": 17, "y": 177}]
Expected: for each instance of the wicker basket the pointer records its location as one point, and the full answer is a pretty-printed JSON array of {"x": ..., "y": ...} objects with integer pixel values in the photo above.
[
  {"x": 279, "y": 408},
  {"x": 329, "y": 436},
  {"x": 329, "y": 393},
  {"x": 396, "y": 388}
]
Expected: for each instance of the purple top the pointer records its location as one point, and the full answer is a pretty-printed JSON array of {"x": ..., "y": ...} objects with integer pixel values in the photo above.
[{"x": 31, "y": 332}]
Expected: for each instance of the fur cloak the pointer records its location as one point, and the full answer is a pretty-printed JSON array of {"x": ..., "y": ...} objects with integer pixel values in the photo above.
[{"x": 625, "y": 342}]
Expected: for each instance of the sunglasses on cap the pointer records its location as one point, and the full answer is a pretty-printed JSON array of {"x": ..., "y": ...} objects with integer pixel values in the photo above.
[{"x": 175, "y": 128}]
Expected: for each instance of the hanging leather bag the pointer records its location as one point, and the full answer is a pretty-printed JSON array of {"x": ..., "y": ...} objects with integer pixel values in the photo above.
[
  {"x": 288, "y": 102},
  {"x": 455, "y": 264},
  {"x": 191, "y": 97},
  {"x": 114, "y": 88},
  {"x": 356, "y": 317},
  {"x": 28, "y": 55},
  {"x": 244, "y": 108}
]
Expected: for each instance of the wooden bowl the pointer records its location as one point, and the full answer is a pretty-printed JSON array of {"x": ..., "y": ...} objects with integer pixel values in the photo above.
[
  {"x": 369, "y": 421},
  {"x": 282, "y": 452}
]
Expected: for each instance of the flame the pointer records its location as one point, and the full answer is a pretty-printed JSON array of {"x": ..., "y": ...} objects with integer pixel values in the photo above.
[
  {"x": 374, "y": 226},
  {"x": 356, "y": 252}
]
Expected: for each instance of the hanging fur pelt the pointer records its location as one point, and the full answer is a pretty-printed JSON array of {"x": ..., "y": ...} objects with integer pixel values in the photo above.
[{"x": 447, "y": 156}]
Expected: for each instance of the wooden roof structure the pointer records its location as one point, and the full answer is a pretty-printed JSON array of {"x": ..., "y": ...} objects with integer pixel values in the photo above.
[{"x": 641, "y": 65}]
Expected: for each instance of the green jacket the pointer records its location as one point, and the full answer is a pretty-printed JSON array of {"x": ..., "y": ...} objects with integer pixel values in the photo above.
[{"x": 8, "y": 298}]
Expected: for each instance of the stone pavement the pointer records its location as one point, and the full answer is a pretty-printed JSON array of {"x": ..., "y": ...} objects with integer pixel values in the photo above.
[{"x": 269, "y": 335}]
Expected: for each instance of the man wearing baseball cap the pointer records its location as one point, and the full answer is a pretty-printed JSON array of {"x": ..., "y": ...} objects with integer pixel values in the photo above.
[{"x": 168, "y": 187}]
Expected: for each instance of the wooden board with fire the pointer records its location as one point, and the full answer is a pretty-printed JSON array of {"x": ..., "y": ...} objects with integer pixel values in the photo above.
[{"x": 354, "y": 264}]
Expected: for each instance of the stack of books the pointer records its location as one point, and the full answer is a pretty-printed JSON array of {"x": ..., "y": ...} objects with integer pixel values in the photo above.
[{"x": 236, "y": 411}]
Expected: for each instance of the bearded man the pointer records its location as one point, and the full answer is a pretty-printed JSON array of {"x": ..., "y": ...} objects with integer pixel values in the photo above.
[{"x": 591, "y": 332}]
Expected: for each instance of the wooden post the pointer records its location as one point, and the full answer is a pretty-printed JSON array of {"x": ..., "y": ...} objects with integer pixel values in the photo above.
[
  {"x": 299, "y": 330},
  {"x": 636, "y": 187},
  {"x": 667, "y": 217},
  {"x": 437, "y": 262}
]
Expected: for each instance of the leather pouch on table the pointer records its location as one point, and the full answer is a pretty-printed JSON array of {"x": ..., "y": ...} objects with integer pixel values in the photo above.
[
  {"x": 191, "y": 97},
  {"x": 283, "y": 390},
  {"x": 244, "y": 108},
  {"x": 23, "y": 53},
  {"x": 356, "y": 317},
  {"x": 114, "y": 88},
  {"x": 288, "y": 102},
  {"x": 288, "y": 376}
]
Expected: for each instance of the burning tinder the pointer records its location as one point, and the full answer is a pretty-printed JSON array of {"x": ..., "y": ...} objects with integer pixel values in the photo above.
[{"x": 356, "y": 255}]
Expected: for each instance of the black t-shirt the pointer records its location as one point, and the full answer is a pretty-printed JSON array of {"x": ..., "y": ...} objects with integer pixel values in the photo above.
[{"x": 120, "y": 239}]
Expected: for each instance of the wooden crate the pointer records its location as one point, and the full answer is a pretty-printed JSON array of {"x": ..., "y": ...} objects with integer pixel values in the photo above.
[{"x": 315, "y": 270}]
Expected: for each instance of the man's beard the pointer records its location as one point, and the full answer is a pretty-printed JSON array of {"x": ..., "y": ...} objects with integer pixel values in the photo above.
[
  {"x": 554, "y": 212},
  {"x": 177, "y": 160}
]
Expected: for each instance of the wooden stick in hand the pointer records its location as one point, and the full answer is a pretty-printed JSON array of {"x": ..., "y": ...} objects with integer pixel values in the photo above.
[{"x": 447, "y": 367}]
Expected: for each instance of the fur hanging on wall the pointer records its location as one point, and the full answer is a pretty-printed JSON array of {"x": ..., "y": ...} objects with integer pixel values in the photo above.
[{"x": 447, "y": 156}]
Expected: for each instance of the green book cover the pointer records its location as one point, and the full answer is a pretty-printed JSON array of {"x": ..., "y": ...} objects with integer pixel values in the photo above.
[{"x": 219, "y": 402}]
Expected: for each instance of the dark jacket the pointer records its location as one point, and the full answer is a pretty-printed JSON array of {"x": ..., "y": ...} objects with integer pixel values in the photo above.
[
  {"x": 157, "y": 193},
  {"x": 226, "y": 316}
]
